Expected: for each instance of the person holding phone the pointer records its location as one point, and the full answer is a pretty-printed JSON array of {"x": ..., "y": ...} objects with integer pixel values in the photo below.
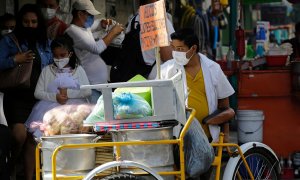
[{"x": 27, "y": 43}]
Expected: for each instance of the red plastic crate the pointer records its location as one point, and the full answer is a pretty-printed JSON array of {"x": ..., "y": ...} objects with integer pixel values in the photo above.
[{"x": 276, "y": 60}]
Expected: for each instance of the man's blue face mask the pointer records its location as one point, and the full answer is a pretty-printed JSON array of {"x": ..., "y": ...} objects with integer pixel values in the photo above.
[{"x": 89, "y": 21}]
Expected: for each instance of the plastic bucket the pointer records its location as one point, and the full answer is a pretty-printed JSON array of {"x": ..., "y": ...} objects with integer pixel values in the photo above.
[{"x": 250, "y": 125}]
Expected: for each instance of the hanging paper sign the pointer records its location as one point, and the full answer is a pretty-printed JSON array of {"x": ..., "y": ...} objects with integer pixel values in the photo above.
[{"x": 153, "y": 25}]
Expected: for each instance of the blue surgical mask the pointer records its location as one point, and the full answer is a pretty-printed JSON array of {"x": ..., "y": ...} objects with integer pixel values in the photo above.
[{"x": 89, "y": 21}]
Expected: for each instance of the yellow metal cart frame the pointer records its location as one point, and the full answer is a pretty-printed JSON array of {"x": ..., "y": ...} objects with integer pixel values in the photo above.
[
  {"x": 168, "y": 102},
  {"x": 179, "y": 173}
]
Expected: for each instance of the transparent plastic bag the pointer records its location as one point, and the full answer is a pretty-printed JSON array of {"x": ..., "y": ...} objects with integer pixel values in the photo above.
[
  {"x": 65, "y": 119},
  {"x": 102, "y": 27},
  {"x": 63, "y": 80},
  {"x": 198, "y": 153},
  {"x": 125, "y": 106},
  {"x": 128, "y": 105},
  {"x": 97, "y": 115}
]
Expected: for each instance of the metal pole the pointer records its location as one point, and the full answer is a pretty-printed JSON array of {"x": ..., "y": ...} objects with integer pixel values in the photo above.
[{"x": 232, "y": 22}]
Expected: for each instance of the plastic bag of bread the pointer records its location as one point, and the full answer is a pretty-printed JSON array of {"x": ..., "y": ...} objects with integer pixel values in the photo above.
[{"x": 65, "y": 119}]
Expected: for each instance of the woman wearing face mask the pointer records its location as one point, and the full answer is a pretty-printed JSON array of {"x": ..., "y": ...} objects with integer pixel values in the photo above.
[
  {"x": 59, "y": 83},
  {"x": 85, "y": 46},
  {"x": 30, "y": 33},
  {"x": 55, "y": 26}
]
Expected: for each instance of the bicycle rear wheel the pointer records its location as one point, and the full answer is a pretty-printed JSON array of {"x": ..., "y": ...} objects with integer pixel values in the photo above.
[{"x": 262, "y": 163}]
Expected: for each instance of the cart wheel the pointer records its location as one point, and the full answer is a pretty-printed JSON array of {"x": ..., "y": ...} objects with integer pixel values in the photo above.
[
  {"x": 121, "y": 176},
  {"x": 262, "y": 163}
]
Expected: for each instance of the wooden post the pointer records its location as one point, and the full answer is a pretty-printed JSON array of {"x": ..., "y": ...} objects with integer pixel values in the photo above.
[{"x": 158, "y": 60}]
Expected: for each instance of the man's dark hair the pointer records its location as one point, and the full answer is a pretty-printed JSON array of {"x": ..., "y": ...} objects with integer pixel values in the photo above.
[
  {"x": 65, "y": 41},
  {"x": 75, "y": 13},
  {"x": 186, "y": 35},
  {"x": 143, "y": 2}
]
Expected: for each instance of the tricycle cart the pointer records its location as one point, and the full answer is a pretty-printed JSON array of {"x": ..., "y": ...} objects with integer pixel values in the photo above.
[{"x": 152, "y": 148}]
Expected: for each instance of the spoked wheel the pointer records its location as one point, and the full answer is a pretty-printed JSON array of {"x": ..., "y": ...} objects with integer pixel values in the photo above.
[
  {"x": 122, "y": 176},
  {"x": 262, "y": 163}
]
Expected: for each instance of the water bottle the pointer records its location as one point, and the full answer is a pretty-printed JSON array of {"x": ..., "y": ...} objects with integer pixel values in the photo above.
[
  {"x": 260, "y": 51},
  {"x": 219, "y": 51},
  {"x": 230, "y": 57}
]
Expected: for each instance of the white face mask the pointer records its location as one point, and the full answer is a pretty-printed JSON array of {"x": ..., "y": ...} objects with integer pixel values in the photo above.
[
  {"x": 180, "y": 57},
  {"x": 61, "y": 63},
  {"x": 48, "y": 13},
  {"x": 5, "y": 31}
]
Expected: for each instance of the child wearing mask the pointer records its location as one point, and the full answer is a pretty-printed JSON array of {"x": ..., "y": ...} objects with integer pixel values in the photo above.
[
  {"x": 8, "y": 23},
  {"x": 59, "y": 83}
]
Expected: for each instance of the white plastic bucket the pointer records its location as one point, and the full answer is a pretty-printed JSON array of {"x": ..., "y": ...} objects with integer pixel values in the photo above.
[{"x": 250, "y": 125}]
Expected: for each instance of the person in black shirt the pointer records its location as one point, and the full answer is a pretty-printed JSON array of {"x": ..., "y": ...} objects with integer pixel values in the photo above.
[{"x": 295, "y": 42}]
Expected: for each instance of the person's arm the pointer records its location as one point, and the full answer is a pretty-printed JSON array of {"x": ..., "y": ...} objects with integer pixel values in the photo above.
[
  {"x": 114, "y": 32},
  {"x": 223, "y": 118},
  {"x": 10, "y": 55},
  {"x": 6, "y": 60},
  {"x": 224, "y": 90},
  {"x": 41, "y": 87},
  {"x": 84, "y": 40},
  {"x": 165, "y": 53},
  {"x": 83, "y": 80},
  {"x": 226, "y": 113}
]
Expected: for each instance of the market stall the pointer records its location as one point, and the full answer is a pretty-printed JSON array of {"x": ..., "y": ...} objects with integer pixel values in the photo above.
[{"x": 271, "y": 91}]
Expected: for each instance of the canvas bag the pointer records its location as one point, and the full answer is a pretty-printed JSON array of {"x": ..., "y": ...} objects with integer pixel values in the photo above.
[{"x": 18, "y": 76}]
